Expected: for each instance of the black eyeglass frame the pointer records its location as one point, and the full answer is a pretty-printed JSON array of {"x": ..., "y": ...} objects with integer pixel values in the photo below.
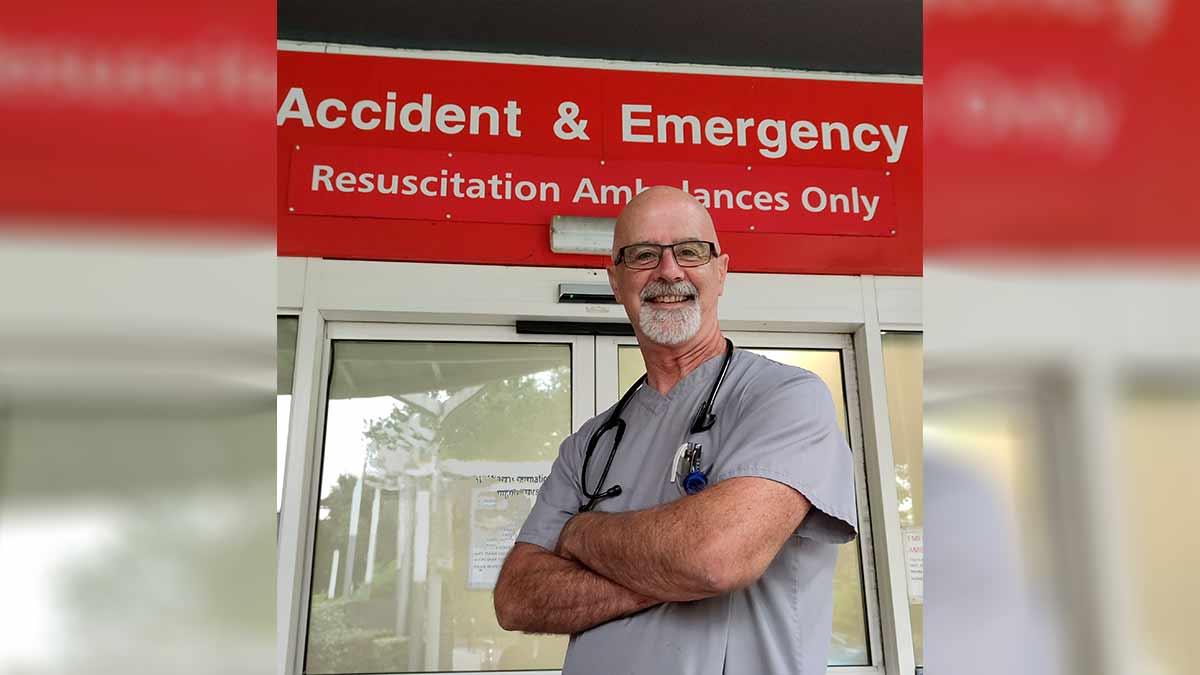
[{"x": 712, "y": 248}]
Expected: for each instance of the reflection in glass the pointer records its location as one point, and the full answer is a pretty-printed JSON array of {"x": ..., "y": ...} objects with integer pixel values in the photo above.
[
  {"x": 997, "y": 519},
  {"x": 849, "y": 646},
  {"x": 1157, "y": 463},
  {"x": 902, "y": 368},
  {"x": 285, "y": 369},
  {"x": 433, "y": 456}
]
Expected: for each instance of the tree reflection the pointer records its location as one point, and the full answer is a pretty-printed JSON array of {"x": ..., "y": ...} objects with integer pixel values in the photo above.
[{"x": 375, "y": 619}]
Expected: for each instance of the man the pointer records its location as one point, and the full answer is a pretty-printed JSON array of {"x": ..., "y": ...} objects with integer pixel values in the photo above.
[{"x": 736, "y": 578}]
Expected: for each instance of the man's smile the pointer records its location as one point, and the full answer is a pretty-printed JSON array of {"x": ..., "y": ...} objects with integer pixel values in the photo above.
[
  {"x": 671, "y": 299},
  {"x": 660, "y": 294}
]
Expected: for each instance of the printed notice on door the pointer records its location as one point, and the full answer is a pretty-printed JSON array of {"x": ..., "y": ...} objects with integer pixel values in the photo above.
[
  {"x": 914, "y": 563},
  {"x": 493, "y": 531},
  {"x": 499, "y": 506}
]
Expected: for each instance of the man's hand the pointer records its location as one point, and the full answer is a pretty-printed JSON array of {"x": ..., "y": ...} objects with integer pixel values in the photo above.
[
  {"x": 696, "y": 547},
  {"x": 540, "y": 592},
  {"x": 559, "y": 549}
]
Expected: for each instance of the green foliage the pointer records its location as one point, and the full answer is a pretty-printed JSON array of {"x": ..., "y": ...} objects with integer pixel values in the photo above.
[
  {"x": 521, "y": 418},
  {"x": 341, "y": 641},
  {"x": 517, "y": 418}
]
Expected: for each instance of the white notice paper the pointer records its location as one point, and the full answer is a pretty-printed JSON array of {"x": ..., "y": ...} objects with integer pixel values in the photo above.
[
  {"x": 914, "y": 563},
  {"x": 493, "y": 531}
]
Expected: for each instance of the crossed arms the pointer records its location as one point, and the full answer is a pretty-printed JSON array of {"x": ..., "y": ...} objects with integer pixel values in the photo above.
[{"x": 610, "y": 565}]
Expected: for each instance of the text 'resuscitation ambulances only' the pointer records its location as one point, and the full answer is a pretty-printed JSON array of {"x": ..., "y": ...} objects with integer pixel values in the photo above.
[{"x": 504, "y": 187}]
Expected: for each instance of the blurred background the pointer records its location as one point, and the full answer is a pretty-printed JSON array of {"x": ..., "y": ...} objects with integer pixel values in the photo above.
[
  {"x": 1062, "y": 347},
  {"x": 137, "y": 340},
  {"x": 138, "y": 349}
]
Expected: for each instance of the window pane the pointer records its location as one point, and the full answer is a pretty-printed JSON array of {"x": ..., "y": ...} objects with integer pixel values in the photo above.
[
  {"x": 285, "y": 369},
  {"x": 1156, "y": 463},
  {"x": 433, "y": 455},
  {"x": 990, "y": 433},
  {"x": 902, "y": 368},
  {"x": 849, "y": 646}
]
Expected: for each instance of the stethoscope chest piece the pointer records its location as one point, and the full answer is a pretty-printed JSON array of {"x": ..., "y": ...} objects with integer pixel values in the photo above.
[
  {"x": 686, "y": 468},
  {"x": 695, "y": 482}
]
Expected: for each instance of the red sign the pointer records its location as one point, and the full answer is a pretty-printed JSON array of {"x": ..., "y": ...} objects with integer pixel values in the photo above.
[
  {"x": 1081, "y": 142},
  {"x": 801, "y": 175},
  {"x": 138, "y": 119},
  {"x": 530, "y": 189}
]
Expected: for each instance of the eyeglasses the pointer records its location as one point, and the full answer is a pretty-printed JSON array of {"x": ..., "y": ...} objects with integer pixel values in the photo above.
[{"x": 647, "y": 256}]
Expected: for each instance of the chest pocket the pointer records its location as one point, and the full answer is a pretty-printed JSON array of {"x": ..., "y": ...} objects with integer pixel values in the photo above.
[{"x": 706, "y": 461}]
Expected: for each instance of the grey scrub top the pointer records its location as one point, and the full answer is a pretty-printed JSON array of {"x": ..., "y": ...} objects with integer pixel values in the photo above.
[{"x": 773, "y": 421}]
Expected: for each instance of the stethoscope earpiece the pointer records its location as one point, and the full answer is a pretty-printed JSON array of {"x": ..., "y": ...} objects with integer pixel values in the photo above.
[{"x": 704, "y": 421}]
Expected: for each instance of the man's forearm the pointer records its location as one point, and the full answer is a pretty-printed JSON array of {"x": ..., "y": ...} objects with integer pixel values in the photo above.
[
  {"x": 693, "y": 548},
  {"x": 641, "y": 551},
  {"x": 545, "y": 593}
]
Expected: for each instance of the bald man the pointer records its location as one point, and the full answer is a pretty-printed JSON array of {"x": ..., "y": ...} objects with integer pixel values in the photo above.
[{"x": 705, "y": 561}]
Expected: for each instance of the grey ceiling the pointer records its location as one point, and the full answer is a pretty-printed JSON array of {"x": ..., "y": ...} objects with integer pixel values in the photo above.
[{"x": 862, "y": 36}]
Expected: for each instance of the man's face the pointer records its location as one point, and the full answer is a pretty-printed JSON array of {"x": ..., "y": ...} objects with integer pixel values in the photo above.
[{"x": 669, "y": 304}]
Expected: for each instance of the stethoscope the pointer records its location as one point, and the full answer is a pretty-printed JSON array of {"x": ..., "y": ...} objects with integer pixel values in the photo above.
[{"x": 694, "y": 478}]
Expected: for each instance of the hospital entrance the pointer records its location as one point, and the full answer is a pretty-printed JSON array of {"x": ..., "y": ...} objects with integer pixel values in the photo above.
[{"x": 431, "y": 441}]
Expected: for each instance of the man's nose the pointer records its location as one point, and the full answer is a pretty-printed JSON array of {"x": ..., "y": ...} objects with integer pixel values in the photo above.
[{"x": 668, "y": 268}]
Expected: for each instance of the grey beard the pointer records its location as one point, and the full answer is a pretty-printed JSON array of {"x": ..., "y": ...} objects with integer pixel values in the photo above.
[{"x": 670, "y": 326}]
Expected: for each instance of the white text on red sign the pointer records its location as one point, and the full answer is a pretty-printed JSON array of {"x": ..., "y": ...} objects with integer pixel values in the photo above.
[{"x": 774, "y": 138}]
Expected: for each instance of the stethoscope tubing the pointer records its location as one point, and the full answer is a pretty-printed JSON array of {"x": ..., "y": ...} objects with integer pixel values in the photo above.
[{"x": 703, "y": 421}]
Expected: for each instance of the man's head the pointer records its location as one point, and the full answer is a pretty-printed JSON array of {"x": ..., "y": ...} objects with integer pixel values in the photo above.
[{"x": 676, "y": 300}]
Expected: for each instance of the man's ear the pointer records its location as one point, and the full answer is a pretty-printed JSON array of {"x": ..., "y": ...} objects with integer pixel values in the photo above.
[
  {"x": 612, "y": 278},
  {"x": 722, "y": 269}
]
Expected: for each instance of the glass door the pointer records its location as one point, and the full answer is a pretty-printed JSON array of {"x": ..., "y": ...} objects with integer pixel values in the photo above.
[{"x": 435, "y": 443}]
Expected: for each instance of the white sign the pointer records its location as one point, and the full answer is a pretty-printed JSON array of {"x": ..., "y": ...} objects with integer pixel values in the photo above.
[
  {"x": 493, "y": 532},
  {"x": 914, "y": 563}
]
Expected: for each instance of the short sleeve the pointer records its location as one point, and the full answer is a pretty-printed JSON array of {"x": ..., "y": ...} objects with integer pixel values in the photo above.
[
  {"x": 557, "y": 500},
  {"x": 786, "y": 430}
]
